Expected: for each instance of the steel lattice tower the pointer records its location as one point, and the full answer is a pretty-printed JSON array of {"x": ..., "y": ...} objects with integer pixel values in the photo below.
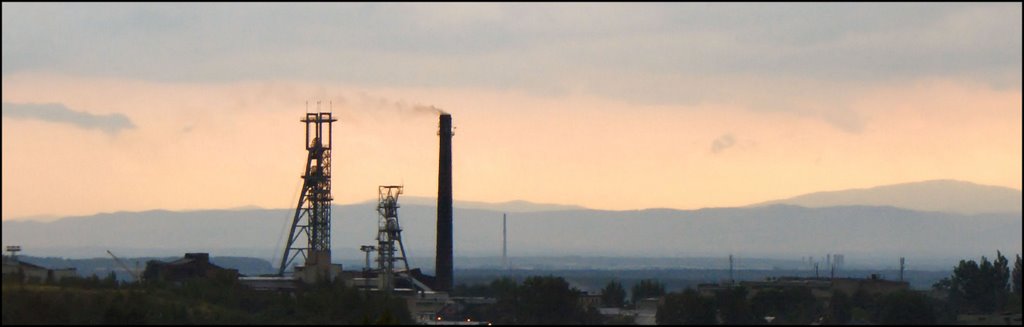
[
  {"x": 389, "y": 232},
  {"x": 313, "y": 212}
]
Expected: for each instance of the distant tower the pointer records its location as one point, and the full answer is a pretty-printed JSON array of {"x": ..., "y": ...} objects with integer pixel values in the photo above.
[
  {"x": 313, "y": 212},
  {"x": 367, "y": 249},
  {"x": 731, "y": 279},
  {"x": 839, "y": 260},
  {"x": 505, "y": 241},
  {"x": 902, "y": 262},
  {"x": 13, "y": 250},
  {"x": 389, "y": 232}
]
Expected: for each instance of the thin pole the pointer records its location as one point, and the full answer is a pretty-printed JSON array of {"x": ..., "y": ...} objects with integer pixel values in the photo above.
[{"x": 504, "y": 240}]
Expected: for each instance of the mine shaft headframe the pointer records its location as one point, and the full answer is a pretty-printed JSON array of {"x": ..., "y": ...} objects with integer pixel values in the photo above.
[
  {"x": 387, "y": 200},
  {"x": 313, "y": 210},
  {"x": 315, "y": 129},
  {"x": 389, "y": 232}
]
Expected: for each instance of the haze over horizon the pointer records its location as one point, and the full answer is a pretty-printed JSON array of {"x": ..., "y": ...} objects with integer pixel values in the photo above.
[
  {"x": 132, "y": 107},
  {"x": 947, "y": 196}
]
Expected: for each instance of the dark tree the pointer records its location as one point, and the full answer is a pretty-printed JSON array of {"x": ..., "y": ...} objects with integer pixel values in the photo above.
[
  {"x": 504, "y": 287},
  {"x": 1016, "y": 276},
  {"x": 94, "y": 300},
  {"x": 613, "y": 294},
  {"x": 733, "y": 306},
  {"x": 863, "y": 304},
  {"x": 110, "y": 281},
  {"x": 793, "y": 305},
  {"x": 978, "y": 288},
  {"x": 506, "y": 292},
  {"x": 687, "y": 307},
  {"x": 547, "y": 300},
  {"x": 905, "y": 308},
  {"x": 647, "y": 288},
  {"x": 840, "y": 309},
  {"x": 768, "y": 303}
]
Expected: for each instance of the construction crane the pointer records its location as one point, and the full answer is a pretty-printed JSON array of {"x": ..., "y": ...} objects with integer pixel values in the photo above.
[{"x": 134, "y": 273}]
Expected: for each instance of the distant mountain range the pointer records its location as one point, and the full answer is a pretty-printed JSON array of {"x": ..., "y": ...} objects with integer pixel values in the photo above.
[
  {"x": 937, "y": 195},
  {"x": 509, "y": 206},
  {"x": 862, "y": 232}
]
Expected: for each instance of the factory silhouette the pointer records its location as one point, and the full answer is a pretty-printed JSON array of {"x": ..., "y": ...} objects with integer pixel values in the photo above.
[{"x": 307, "y": 251}]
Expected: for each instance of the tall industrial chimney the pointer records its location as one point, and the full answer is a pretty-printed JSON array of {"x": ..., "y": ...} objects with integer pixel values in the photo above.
[{"x": 443, "y": 263}]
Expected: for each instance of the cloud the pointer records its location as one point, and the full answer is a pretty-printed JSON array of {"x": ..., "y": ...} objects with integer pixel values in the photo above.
[
  {"x": 723, "y": 142},
  {"x": 59, "y": 113},
  {"x": 847, "y": 120},
  {"x": 521, "y": 46},
  {"x": 663, "y": 54}
]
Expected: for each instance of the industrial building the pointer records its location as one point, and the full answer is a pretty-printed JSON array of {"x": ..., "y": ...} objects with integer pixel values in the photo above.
[
  {"x": 306, "y": 257},
  {"x": 27, "y": 272},
  {"x": 193, "y": 265},
  {"x": 309, "y": 237},
  {"x": 312, "y": 219}
]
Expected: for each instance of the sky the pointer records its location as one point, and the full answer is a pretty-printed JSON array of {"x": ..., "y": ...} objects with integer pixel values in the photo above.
[{"x": 184, "y": 106}]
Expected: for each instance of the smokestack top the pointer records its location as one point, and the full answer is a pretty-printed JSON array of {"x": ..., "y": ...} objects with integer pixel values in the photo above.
[{"x": 445, "y": 128}]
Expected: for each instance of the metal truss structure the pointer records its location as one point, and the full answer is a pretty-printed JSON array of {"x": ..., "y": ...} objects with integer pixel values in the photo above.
[
  {"x": 389, "y": 233},
  {"x": 313, "y": 212}
]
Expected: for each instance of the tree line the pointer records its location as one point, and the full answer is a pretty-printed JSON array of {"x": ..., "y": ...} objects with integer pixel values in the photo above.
[
  {"x": 975, "y": 287},
  {"x": 985, "y": 287},
  {"x": 94, "y": 300}
]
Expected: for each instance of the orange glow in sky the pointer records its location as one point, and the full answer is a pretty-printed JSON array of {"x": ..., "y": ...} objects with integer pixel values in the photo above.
[
  {"x": 240, "y": 144},
  {"x": 607, "y": 106}
]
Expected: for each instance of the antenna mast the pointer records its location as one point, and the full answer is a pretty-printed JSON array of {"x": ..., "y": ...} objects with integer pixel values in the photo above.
[
  {"x": 731, "y": 279},
  {"x": 902, "y": 261},
  {"x": 504, "y": 240}
]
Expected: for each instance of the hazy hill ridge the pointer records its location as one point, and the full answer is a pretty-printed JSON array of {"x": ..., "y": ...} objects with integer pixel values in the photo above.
[
  {"x": 790, "y": 231},
  {"x": 508, "y": 206},
  {"x": 936, "y": 195},
  {"x": 773, "y": 231}
]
